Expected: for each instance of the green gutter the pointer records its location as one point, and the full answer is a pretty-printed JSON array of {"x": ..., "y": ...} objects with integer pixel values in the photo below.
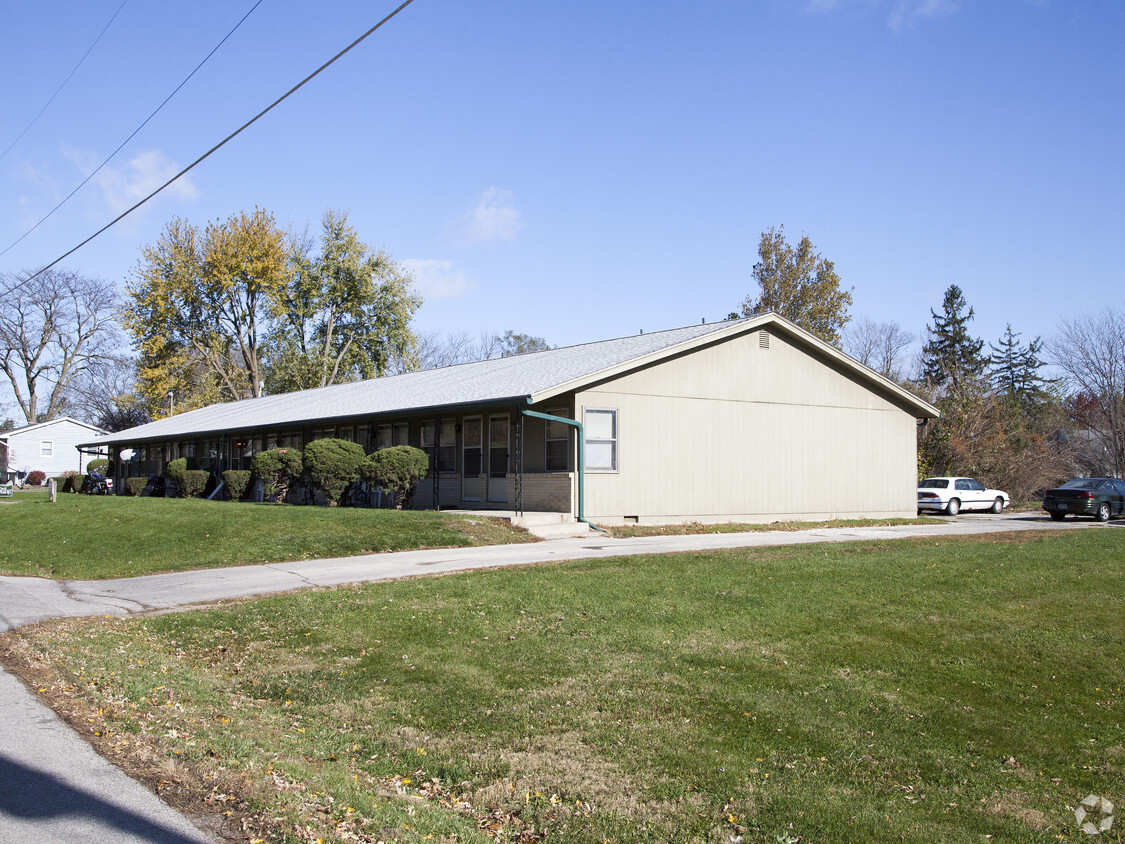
[{"x": 574, "y": 423}]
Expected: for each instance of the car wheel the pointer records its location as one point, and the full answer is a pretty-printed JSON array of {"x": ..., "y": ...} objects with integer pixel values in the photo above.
[
  {"x": 1058, "y": 517},
  {"x": 1103, "y": 513},
  {"x": 998, "y": 505},
  {"x": 953, "y": 507}
]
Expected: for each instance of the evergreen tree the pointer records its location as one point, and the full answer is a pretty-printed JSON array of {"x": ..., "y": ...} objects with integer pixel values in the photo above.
[
  {"x": 1014, "y": 371},
  {"x": 951, "y": 356}
]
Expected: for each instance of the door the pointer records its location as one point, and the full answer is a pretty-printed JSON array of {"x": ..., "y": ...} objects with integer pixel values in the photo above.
[
  {"x": 471, "y": 443},
  {"x": 498, "y": 458}
]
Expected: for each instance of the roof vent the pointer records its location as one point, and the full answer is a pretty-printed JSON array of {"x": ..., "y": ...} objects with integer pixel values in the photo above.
[{"x": 763, "y": 339}]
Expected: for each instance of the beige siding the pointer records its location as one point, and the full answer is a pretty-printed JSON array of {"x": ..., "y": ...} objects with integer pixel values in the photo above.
[{"x": 735, "y": 431}]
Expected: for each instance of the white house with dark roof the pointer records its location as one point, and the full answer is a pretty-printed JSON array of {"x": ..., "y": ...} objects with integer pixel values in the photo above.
[
  {"x": 746, "y": 420},
  {"x": 52, "y": 447}
]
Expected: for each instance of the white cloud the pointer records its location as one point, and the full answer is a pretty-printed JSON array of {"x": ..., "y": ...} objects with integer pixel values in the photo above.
[
  {"x": 495, "y": 217},
  {"x": 436, "y": 279},
  {"x": 906, "y": 13},
  {"x": 123, "y": 187}
]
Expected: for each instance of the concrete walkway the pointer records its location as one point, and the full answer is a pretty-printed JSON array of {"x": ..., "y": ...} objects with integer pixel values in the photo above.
[{"x": 54, "y": 787}]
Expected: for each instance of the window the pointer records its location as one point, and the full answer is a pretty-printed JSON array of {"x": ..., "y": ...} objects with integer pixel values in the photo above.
[
  {"x": 46, "y": 448},
  {"x": 557, "y": 443},
  {"x": 402, "y": 433},
  {"x": 382, "y": 437},
  {"x": 601, "y": 440},
  {"x": 445, "y": 454}
]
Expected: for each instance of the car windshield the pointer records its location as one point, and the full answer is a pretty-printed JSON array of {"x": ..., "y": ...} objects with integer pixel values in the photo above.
[
  {"x": 934, "y": 483},
  {"x": 1081, "y": 483}
]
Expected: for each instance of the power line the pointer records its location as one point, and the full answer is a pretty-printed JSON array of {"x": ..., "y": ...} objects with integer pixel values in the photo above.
[
  {"x": 91, "y": 47},
  {"x": 135, "y": 131},
  {"x": 225, "y": 140}
]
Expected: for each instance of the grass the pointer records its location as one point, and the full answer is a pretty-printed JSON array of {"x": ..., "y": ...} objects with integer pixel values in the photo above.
[
  {"x": 86, "y": 536},
  {"x": 724, "y": 527},
  {"x": 955, "y": 690}
]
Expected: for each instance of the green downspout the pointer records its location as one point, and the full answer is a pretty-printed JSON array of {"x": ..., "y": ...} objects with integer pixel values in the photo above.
[{"x": 574, "y": 423}]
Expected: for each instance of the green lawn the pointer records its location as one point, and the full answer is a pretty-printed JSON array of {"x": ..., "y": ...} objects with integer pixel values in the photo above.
[
  {"x": 87, "y": 536},
  {"x": 953, "y": 690}
]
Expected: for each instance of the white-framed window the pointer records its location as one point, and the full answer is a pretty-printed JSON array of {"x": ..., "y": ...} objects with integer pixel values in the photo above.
[
  {"x": 382, "y": 437},
  {"x": 46, "y": 448},
  {"x": 600, "y": 425},
  {"x": 557, "y": 442}
]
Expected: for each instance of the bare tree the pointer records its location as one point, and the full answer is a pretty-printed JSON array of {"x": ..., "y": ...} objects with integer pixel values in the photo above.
[
  {"x": 437, "y": 349},
  {"x": 105, "y": 395},
  {"x": 882, "y": 346},
  {"x": 1090, "y": 351},
  {"x": 53, "y": 328}
]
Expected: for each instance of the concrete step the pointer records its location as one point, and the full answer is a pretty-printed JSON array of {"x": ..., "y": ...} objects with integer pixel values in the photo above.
[
  {"x": 538, "y": 518},
  {"x": 559, "y": 530}
]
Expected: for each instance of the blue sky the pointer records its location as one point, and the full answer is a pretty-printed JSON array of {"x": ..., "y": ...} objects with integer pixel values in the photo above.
[{"x": 585, "y": 170}]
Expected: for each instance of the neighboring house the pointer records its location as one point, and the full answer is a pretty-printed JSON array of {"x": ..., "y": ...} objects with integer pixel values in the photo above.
[
  {"x": 745, "y": 420},
  {"x": 52, "y": 447}
]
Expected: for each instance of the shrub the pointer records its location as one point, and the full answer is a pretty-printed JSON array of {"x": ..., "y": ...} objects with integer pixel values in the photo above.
[
  {"x": 396, "y": 470},
  {"x": 72, "y": 482},
  {"x": 174, "y": 472},
  {"x": 36, "y": 477},
  {"x": 98, "y": 464},
  {"x": 332, "y": 465},
  {"x": 235, "y": 482},
  {"x": 60, "y": 482},
  {"x": 193, "y": 483},
  {"x": 277, "y": 469},
  {"x": 135, "y": 486}
]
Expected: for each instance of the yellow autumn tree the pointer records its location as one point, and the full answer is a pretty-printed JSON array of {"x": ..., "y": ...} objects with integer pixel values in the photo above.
[{"x": 198, "y": 310}]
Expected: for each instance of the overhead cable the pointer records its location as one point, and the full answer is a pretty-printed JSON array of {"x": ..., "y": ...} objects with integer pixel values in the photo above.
[
  {"x": 91, "y": 47},
  {"x": 82, "y": 184},
  {"x": 225, "y": 140}
]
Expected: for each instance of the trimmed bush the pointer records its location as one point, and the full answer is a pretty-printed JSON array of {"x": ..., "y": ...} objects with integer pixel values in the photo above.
[
  {"x": 194, "y": 483},
  {"x": 72, "y": 482},
  {"x": 60, "y": 482},
  {"x": 332, "y": 465},
  {"x": 36, "y": 478},
  {"x": 396, "y": 470},
  {"x": 174, "y": 472},
  {"x": 235, "y": 482},
  {"x": 135, "y": 486},
  {"x": 278, "y": 468},
  {"x": 98, "y": 464}
]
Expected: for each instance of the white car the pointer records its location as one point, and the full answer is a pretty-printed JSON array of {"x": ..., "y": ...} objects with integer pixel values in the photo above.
[{"x": 952, "y": 495}]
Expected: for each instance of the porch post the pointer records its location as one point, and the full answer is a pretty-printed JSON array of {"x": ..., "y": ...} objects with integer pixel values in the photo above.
[
  {"x": 437, "y": 462},
  {"x": 519, "y": 462}
]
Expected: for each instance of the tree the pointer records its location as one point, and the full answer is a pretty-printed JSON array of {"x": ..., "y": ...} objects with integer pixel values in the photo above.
[
  {"x": 512, "y": 343},
  {"x": 343, "y": 315},
  {"x": 882, "y": 346},
  {"x": 799, "y": 285},
  {"x": 199, "y": 308},
  {"x": 105, "y": 395},
  {"x": 54, "y": 327},
  {"x": 436, "y": 350},
  {"x": 1014, "y": 370},
  {"x": 950, "y": 356},
  {"x": 1090, "y": 351}
]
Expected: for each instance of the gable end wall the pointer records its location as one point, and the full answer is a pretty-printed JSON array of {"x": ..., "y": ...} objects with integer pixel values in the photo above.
[{"x": 736, "y": 432}]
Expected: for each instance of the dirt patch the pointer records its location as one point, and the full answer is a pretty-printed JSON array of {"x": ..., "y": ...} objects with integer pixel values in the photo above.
[{"x": 1014, "y": 804}]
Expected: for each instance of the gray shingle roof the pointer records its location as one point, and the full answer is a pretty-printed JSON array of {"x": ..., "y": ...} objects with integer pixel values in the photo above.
[{"x": 511, "y": 378}]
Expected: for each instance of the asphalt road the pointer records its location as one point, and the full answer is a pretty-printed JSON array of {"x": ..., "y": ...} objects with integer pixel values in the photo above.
[{"x": 54, "y": 787}]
